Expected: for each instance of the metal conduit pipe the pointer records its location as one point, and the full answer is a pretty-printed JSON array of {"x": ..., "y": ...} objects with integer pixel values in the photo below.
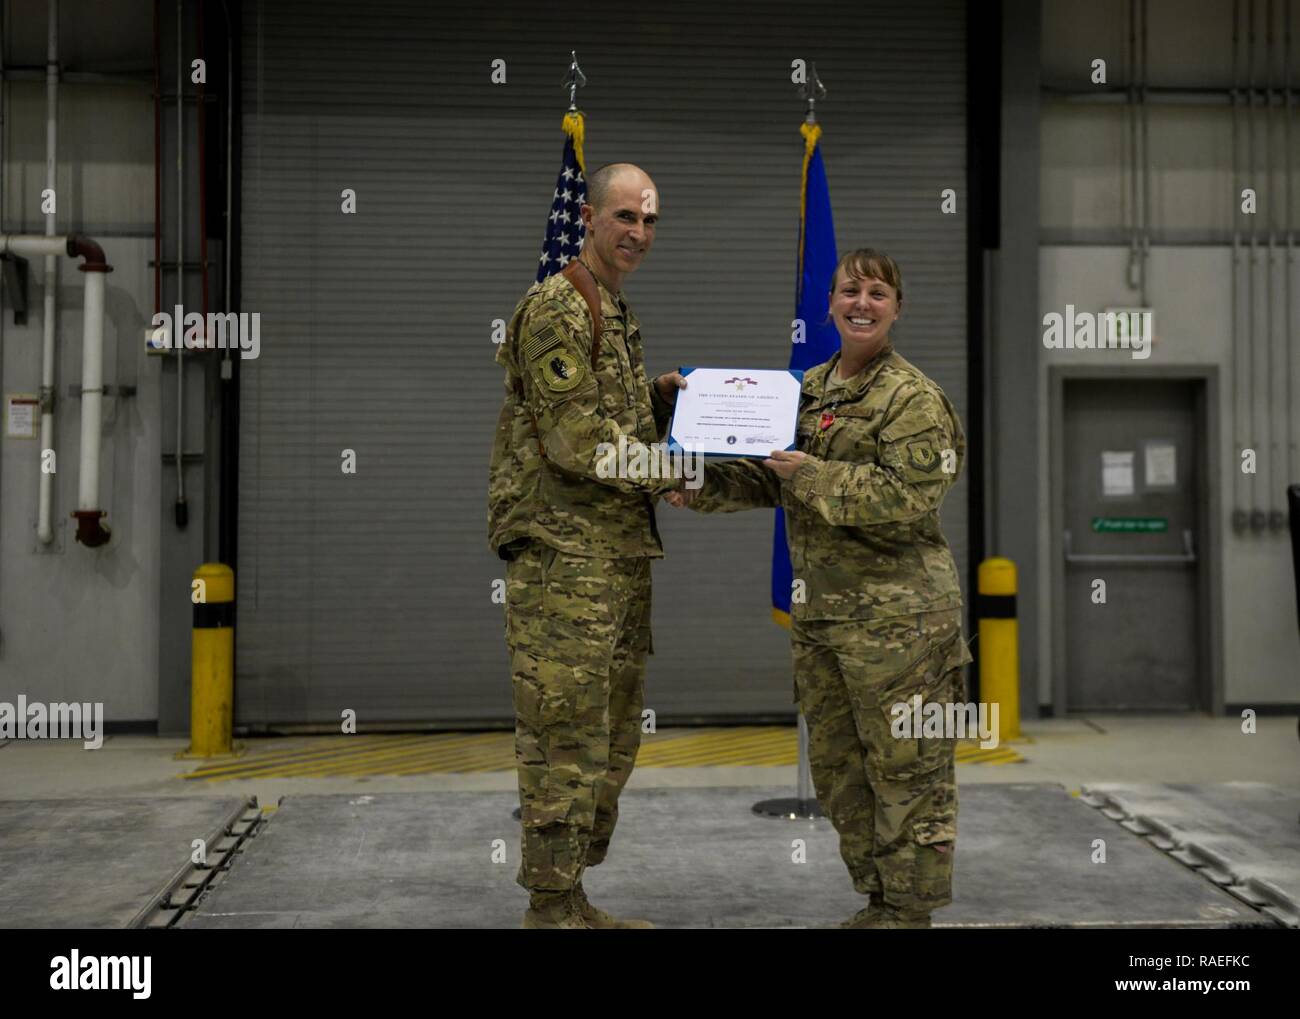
[
  {"x": 90, "y": 529},
  {"x": 1252, "y": 433},
  {"x": 1238, "y": 380},
  {"x": 1146, "y": 158},
  {"x": 1291, "y": 460},
  {"x": 179, "y": 347},
  {"x": 1270, "y": 444},
  {"x": 1130, "y": 113},
  {"x": 45, "y": 499},
  {"x": 1278, "y": 366}
]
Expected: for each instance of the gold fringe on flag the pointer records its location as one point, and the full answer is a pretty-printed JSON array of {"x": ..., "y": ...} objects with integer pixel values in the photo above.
[
  {"x": 574, "y": 127},
  {"x": 811, "y": 134}
]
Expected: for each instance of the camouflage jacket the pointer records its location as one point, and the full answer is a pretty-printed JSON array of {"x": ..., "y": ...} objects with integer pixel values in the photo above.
[
  {"x": 862, "y": 513},
  {"x": 553, "y": 491}
]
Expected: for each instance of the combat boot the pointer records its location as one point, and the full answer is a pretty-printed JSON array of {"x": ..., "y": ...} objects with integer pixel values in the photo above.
[
  {"x": 554, "y": 911},
  {"x": 860, "y": 919},
  {"x": 879, "y": 916},
  {"x": 598, "y": 919}
]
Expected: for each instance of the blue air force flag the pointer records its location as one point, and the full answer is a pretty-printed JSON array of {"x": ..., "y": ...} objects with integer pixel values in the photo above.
[{"x": 815, "y": 263}]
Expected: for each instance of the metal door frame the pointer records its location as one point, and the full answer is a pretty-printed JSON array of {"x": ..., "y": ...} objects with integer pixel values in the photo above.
[{"x": 1208, "y": 625}]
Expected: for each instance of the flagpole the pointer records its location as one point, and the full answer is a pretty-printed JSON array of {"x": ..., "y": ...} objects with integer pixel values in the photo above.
[
  {"x": 804, "y": 806},
  {"x": 574, "y": 80}
]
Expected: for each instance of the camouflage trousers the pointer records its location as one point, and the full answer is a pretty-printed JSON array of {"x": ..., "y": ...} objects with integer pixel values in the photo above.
[
  {"x": 893, "y": 801},
  {"x": 578, "y": 630}
]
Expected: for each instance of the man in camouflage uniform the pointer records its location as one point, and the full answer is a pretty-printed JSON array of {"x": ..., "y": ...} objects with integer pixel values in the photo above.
[
  {"x": 578, "y": 542},
  {"x": 879, "y": 619}
]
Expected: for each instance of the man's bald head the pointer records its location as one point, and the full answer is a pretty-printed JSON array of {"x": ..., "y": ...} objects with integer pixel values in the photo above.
[
  {"x": 620, "y": 214},
  {"x": 600, "y": 180}
]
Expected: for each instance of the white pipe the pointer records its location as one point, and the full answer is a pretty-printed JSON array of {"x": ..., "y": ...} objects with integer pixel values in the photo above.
[
  {"x": 44, "y": 528},
  {"x": 33, "y": 245},
  {"x": 89, "y": 530},
  {"x": 92, "y": 391}
]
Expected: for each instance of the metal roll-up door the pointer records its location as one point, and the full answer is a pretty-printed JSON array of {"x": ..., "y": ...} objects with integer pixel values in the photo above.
[{"x": 373, "y": 591}]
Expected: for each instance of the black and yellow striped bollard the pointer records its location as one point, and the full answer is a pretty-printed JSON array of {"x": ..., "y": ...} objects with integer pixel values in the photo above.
[
  {"x": 999, "y": 644},
  {"x": 212, "y": 663}
]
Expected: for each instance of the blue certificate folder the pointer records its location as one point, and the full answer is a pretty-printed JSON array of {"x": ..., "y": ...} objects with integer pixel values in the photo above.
[{"x": 676, "y": 447}]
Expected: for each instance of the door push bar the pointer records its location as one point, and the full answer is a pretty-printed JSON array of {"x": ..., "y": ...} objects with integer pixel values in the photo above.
[{"x": 1188, "y": 556}]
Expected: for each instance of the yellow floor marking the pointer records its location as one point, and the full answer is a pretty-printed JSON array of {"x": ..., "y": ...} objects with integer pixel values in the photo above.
[
  {"x": 415, "y": 754},
  {"x": 325, "y": 748}
]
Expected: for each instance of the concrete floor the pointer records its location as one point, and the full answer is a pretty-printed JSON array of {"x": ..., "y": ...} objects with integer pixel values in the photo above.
[
  {"x": 694, "y": 858},
  {"x": 357, "y": 852}
]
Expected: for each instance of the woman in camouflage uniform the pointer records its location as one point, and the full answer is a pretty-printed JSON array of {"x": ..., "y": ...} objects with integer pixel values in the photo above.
[{"x": 876, "y": 605}]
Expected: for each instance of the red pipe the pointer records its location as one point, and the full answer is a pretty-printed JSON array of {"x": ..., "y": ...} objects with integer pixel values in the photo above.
[{"x": 81, "y": 246}]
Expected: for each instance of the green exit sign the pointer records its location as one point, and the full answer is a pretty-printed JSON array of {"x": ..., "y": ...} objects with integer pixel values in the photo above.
[{"x": 1130, "y": 525}]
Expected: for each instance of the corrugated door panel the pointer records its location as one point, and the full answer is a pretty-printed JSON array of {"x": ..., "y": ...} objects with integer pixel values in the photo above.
[{"x": 373, "y": 591}]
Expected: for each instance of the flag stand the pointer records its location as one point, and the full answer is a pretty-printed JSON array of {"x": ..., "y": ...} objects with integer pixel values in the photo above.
[{"x": 803, "y": 807}]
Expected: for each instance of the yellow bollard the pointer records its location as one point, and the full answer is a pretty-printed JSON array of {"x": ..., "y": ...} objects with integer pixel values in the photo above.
[
  {"x": 212, "y": 663},
  {"x": 999, "y": 644}
]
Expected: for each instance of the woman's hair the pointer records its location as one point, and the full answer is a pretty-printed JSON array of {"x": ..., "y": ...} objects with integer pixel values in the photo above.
[{"x": 868, "y": 263}]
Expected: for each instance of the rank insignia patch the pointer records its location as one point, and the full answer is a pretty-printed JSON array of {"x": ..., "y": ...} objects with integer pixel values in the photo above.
[{"x": 922, "y": 455}]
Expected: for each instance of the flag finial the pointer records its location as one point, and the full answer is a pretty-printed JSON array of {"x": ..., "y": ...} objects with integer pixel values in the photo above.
[
  {"x": 810, "y": 91},
  {"x": 573, "y": 81}
]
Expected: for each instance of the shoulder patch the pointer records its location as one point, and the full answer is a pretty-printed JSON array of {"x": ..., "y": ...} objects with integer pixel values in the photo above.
[
  {"x": 541, "y": 341},
  {"x": 560, "y": 371},
  {"x": 921, "y": 454}
]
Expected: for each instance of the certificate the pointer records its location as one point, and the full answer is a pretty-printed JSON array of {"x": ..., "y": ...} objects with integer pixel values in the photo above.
[{"x": 736, "y": 412}]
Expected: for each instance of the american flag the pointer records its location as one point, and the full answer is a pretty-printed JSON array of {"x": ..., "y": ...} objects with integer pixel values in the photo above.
[{"x": 564, "y": 227}]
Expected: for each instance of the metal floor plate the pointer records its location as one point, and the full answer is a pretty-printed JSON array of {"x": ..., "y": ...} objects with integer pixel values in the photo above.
[
  {"x": 96, "y": 863},
  {"x": 1243, "y": 836},
  {"x": 695, "y": 858}
]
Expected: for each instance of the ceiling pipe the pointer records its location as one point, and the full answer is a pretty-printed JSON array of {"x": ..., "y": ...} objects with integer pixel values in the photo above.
[{"x": 90, "y": 529}]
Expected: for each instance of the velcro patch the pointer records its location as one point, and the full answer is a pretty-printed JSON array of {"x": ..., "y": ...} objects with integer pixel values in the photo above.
[
  {"x": 561, "y": 371},
  {"x": 922, "y": 455},
  {"x": 540, "y": 342}
]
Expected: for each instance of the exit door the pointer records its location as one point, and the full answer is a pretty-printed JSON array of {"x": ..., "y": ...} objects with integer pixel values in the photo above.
[{"x": 1132, "y": 466}]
